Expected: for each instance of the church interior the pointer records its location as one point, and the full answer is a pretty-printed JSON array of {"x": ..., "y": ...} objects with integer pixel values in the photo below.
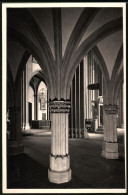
[{"x": 65, "y": 98}]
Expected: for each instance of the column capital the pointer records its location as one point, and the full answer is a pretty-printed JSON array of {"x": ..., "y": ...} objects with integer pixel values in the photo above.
[
  {"x": 59, "y": 106},
  {"x": 111, "y": 109}
]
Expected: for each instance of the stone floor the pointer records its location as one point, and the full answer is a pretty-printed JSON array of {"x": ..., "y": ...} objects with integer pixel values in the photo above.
[{"x": 89, "y": 169}]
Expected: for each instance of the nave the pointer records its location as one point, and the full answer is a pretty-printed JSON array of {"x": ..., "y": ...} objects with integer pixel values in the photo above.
[{"x": 90, "y": 170}]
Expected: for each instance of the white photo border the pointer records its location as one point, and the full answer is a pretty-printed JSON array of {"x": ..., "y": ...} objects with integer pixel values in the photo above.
[{"x": 4, "y": 93}]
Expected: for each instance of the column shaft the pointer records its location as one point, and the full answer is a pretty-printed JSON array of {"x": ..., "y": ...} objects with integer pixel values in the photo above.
[
  {"x": 59, "y": 171},
  {"x": 71, "y": 117},
  {"x": 77, "y": 102},
  {"x": 74, "y": 102},
  {"x": 26, "y": 98},
  {"x": 23, "y": 101},
  {"x": 82, "y": 100},
  {"x": 110, "y": 145},
  {"x": 15, "y": 145}
]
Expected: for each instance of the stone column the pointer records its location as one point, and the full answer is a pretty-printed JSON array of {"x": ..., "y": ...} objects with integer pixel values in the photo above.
[
  {"x": 89, "y": 82},
  {"x": 77, "y": 95},
  {"x": 86, "y": 86},
  {"x": 23, "y": 100},
  {"x": 84, "y": 96},
  {"x": 48, "y": 105},
  {"x": 121, "y": 108},
  {"x": 71, "y": 129},
  {"x": 35, "y": 106},
  {"x": 27, "y": 126},
  {"x": 110, "y": 144},
  {"x": 15, "y": 145},
  {"x": 74, "y": 102},
  {"x": 59, "y": 171}
]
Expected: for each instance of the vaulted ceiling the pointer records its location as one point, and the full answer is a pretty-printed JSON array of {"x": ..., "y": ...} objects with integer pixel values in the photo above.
[{"x": 58, "y": 38}]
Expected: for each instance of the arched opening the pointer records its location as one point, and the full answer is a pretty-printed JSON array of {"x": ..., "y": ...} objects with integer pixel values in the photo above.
[
  {"x": 35, "y": 95},
  {"x": 86, "y": 98}
]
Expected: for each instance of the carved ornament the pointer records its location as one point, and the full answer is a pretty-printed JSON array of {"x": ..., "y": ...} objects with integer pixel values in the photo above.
[
  {"x": 111, "y": 109},
  {"x": 59, "y": 106}
]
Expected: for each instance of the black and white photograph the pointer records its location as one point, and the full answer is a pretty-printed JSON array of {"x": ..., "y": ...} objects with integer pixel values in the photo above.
[{"x": 64, "y": 98}]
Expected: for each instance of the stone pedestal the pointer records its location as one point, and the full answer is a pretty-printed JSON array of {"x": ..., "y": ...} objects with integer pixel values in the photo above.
[
  {"x": 26, "y": 126},
  {"x": 110, "y": 150},
  {"x": 110, "y": 144},
  {"x": 86, "y": 136},
  {"x": 96, "y": 124},
  {"x": 59, "y": 171}
]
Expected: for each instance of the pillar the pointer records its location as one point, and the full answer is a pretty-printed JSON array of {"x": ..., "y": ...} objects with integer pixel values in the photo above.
[
  {"x": 122, "y": 108},
  {"x": 77, "y": 95},
  {"x": 86, "y": 86},
  {"x": 59, "y": 171},
  {"x": 89, "y": 61},
  {"x": 83, "y": 105},
  {"x": 110, "y": 144},
  {"x": 23, "y": 100},
  {"x": 48, "y": 117},
  {"x": 74, "y": 106},
  {"x": 35, "y": 106},
  {"x": 15, "y": 144},
  {"x": 26, "y": 99},
  {"x": 71, "y": 116}
]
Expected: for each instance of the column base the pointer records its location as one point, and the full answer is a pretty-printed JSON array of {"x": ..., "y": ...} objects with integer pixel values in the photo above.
[
  {"x": 15, "y": 147},
  {"x": 27, "y": 126},
  {"x": 86, "y": 136},
  {"x": 110, "y": 150},
  {"x": 59, "y": 171},
  {"x": 59, "y": 177}
]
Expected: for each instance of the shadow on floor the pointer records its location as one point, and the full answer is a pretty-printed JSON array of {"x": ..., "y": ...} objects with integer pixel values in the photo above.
[
  {"x": 24, "y": 172},
  {"x": 89, "y": 170}
]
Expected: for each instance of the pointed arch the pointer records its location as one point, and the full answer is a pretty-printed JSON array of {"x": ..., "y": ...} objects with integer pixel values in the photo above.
[
  {"x": 39, "y": 56},
  {"x": 119, "y": 81},
  {"x": 82, "y": 24},
  {"x": 88, "y": 44},
  {"x": 117, "y": 63},
  {"x": 10, "y": 84},
  {"x": 39, "y": 35}
]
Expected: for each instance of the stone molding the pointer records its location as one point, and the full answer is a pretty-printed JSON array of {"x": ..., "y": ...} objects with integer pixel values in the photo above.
[
  {"x": 111, "y": 109},
  {"x": 59, "y": 106},
  {"x": 59, "y": 156}
]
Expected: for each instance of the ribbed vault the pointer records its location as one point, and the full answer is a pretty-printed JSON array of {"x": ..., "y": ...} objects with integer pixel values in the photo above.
[{"x": 25, "y": 28}]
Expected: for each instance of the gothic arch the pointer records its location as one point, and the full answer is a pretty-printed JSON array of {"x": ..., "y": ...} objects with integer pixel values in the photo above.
[
  {"x": 42, "y": 78},
  {"x": 88, "y": 44},
  {"x": 40, "y": 73},
  {"x": 116, "y": 88},
  {"x": 117, "y": 63},
  {"x": 82, "y": 24},
  {"x": 22, "y": 64},
  {"x": 40, "y": 58},
  {"x": 10, "y": 85}
]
